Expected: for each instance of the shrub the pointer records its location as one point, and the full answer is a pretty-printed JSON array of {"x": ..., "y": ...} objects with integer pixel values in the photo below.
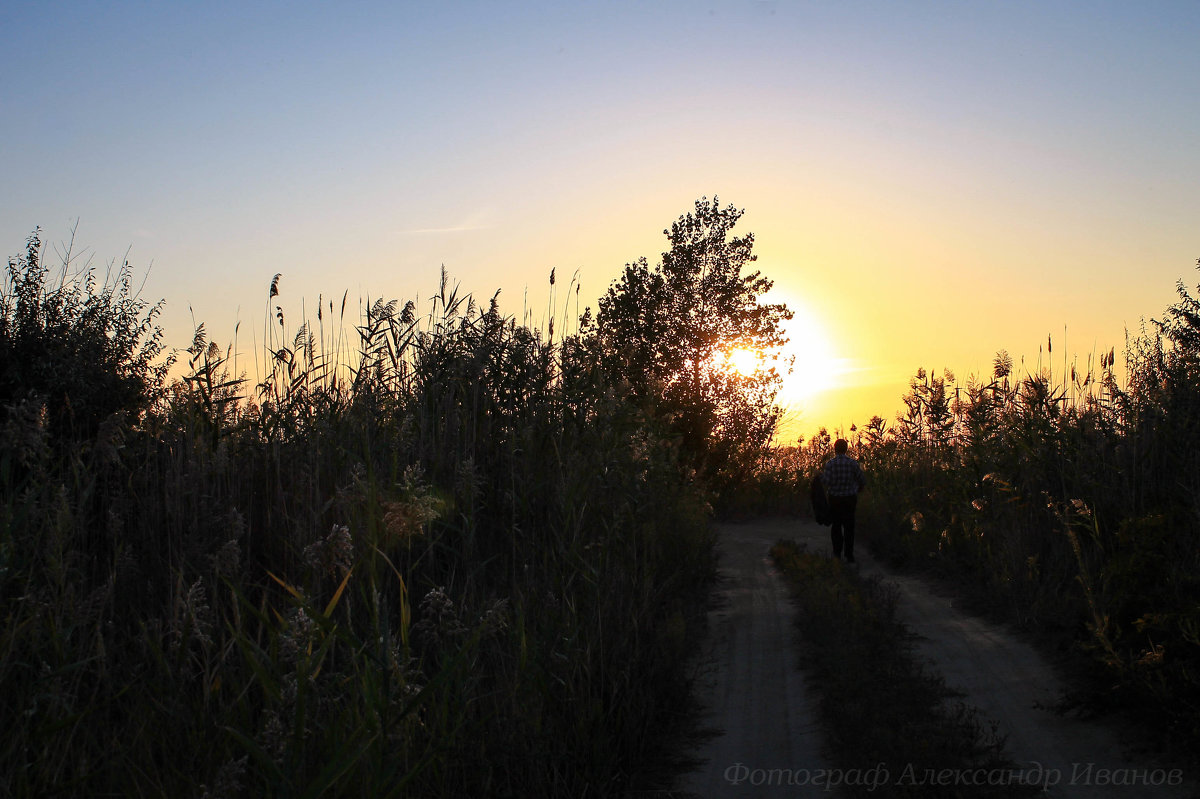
[{"x": 84, "y": 349}]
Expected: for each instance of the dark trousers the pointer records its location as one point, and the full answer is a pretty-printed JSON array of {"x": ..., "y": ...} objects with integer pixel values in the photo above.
[{"x": 841, "y": 510}]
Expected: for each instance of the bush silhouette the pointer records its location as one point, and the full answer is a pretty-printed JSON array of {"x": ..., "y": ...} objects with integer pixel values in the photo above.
[{"x": 82, "y": 349}]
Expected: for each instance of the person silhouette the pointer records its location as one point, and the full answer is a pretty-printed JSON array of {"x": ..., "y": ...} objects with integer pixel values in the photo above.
[{"x": 843, "y": 478}]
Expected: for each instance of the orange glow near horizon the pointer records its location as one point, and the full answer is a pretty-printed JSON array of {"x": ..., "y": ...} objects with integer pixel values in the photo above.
[
  {"x": 816, "y": 375},
  {"x": 924, "y": 188}
]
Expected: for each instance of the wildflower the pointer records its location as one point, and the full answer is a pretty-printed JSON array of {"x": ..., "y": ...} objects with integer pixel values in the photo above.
[
  {"x": 333, "y": 554},
  {"x": 402, "y": 701},
  {"x": 297, "y": 637},
  {"x": 272, "y": 738},
  {"x": 495, "y": 618},
  {"x": 192, "y": 616},
  {"x": 439, "y": 618},
  {"x": 227, "y": 561},
  {"x": 1153, "y": 656},
  {"x": 407, "y": 518},
  {"x": 468, "y": 482},
  {"x": 228, "y": 781},
  {"x": 402, "y": 520}
]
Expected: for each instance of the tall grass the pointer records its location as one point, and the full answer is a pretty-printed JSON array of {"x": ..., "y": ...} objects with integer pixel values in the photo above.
[
  {"x": 434, "y": 553},
  {"x": 1060, "y": 496},
  {"x": 1068, "y": 497}
]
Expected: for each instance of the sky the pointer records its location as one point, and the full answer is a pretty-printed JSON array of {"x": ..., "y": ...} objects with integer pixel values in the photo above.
[{"x": 927, "y": 182}]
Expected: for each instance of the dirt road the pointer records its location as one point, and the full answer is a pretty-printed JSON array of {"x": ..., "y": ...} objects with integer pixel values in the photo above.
[
  {"x": 752, "y": 686},
  {"x": 767, "y": 714}
]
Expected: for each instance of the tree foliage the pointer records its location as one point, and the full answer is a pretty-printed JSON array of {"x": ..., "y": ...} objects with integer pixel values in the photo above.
[
  {"x": 664, "y": 329},
  {"x": 80, "y": 348}
]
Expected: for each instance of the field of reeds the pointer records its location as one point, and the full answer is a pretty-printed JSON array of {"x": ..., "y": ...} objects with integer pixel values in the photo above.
[
  {"x": 432, "y": 551},
  {"x": 1064, "y": 498}
]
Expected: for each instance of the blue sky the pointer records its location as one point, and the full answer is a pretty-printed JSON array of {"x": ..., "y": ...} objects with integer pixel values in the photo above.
[{"x": 927, "y": 182}]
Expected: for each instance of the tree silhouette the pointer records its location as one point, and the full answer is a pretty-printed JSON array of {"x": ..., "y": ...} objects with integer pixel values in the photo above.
[{"x": 663, "y": 329}]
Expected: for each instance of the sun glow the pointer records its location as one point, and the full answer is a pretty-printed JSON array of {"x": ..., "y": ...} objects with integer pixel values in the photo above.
[
  {"x": 815, "y": 366},
  {"x": 744, "y": 361}
]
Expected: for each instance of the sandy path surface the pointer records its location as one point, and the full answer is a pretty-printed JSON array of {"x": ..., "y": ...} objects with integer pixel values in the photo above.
[
  {"x": 756, "y": 696},
  {"x": 1014, "y": 686},
  {"x": 751, "y": 684}
]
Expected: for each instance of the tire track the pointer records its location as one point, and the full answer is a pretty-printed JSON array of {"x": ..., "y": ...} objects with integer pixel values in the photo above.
[
  {"x": 751, "y": 685},
  {"x": 1013, "y": 686}
]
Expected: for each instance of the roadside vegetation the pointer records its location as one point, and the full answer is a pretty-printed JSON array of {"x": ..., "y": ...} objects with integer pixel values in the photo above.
[
  {"x": 889, "y": 722},
  {"x": 1063, "y": 498},
  {"x": 426, "y": 552}
]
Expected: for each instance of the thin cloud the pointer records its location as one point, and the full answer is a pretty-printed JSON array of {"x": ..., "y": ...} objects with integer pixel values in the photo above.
[
  {"x": 451, "y": 229},
  {"x": 862, "y": 374},
  {"x": 472, "y": 222}
]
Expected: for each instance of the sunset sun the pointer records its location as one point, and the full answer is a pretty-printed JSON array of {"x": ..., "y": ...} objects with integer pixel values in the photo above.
[{"x": 744, "y": 361}]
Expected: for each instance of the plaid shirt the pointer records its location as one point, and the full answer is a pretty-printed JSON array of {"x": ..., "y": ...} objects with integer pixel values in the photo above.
[{"x": 843, "y": 477}]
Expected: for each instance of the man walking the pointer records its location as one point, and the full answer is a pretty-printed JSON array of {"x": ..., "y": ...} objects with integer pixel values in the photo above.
[{"x": 843, "y": 479}]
